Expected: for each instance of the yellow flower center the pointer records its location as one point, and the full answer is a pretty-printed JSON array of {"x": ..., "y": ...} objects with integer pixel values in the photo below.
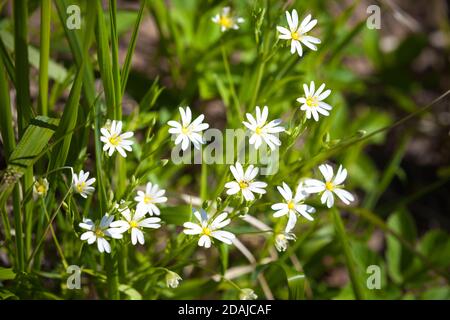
[
  {"x": 41, "y": 189},
  {"x": 115, "y": 140},
  {"x": 147, "y": 199},
  {"x": 258, "y": 130},
  {"x": 206, "y": 231},
  {"x": 329, "y": 186},
  {"x": 295, "y": 35},
  {"x": 226, "y": 21},
  {"x": 80, "y": 186},
  {"x": 312, "y": 102},
  {"x": 99, "y": 233},
  {"x": 291, "y": 205},
  {"x": 243, "y": 184},
  {"x": 134, "y": 224},
  {"x": 185, "y": 130}
]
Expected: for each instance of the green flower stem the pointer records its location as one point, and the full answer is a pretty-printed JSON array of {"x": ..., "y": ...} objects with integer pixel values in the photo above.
[
  {"x": 55, "y": 239},
  {"x": 235, "y": 104}
]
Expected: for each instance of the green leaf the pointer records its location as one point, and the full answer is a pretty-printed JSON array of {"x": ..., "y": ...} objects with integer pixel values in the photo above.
[
  {"x": 28, "y": 150},
  {"x": 132, "y": 293},
  {"x": 398, "y": 257},
  {"x": 176, "y": 215},
  {"x": 436, "y": 246},
  {"x": 7, "y": 274},
  {"x": 55, "y": 71}
]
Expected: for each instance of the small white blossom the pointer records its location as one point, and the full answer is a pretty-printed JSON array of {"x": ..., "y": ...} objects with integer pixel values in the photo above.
[
  {"x": 135, "y": 222},
  {"x": 208, "y": 229},
  {"x": 247, "y": 294},
  {"x": 263, "y": 131},
  {"x": 147, "y": 200},
  {"x": 99, "y": 232},
  {"x": 187, "y": 131},
  {"x": 298, "y": 34},
  {"x": 331, "y": 185},
  {"x": 245, "y": 182},
  {"x": 312, "y": 102},
  {"x": 172, "y": 279},
  {"x": 40, "y": 187},
  {"x": 281, "y": 240},
  {"x": 292, "y": 205},
  {"x": 226, "y": 20},
  {"x": 114, "y": 139},
  {"x": 82, "y": 185}
]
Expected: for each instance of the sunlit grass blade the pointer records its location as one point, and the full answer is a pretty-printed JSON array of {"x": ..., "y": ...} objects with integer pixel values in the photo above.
[
  {"x": 34, "y": 140},
  {"x": 104, "y": 61},
  {"x": 46, "y": 9},
  {"x": 127, "y": 64},
  {"x": 67, "y": 124},
  {"x": 115, "y": 59}
]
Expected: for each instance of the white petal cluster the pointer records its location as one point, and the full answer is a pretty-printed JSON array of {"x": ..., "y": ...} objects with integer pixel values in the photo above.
[
  {"x": 245, "y": 182},
  {"x": 82, "y": 185},
  {"x": 147, "y": 201},
  {"x": 263, "y": 130},
  {"x": 312, "y": 102},
  {"x": 332, "y": 185},
  {"x": 188, "y": 131},
  {"x": 208, "y": 228},
  {"x": 226, "y": 20},
  {"x": 100, "y": 232},
  {"x": 293, "y": 205},
  {"x": 114, "y": 139},
  {"x": 298, "y": 33}
]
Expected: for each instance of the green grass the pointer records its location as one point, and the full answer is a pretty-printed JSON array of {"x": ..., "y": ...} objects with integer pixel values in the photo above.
[{"x": 68, "y": 83}]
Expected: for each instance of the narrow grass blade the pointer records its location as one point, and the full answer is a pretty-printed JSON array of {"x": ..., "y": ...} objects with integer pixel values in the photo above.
[
  {"x": 104, "y": 61},
  {"x": 44, "y": 56},
  {"x": 67, "y": 124},
  {"x": 127, "y": 64},
  {"x": 355, "y": 278},
  {"x": 24, "y": 112}
]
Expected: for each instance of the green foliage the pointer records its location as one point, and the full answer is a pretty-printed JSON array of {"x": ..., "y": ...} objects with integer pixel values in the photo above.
[{"x": 87, "y": 77}]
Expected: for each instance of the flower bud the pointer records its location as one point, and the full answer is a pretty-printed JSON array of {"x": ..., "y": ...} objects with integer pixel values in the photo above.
[{"x": 172, "y": 279}]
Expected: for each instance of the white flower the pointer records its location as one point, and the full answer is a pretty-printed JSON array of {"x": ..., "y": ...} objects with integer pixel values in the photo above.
[
  {"x": 135, "y": 223},
  {"x": 244, "y": 182},
  {"x": 247, "y": 294},
  {"x": 330, "y": 186},
  {"x": 312, "y": 102},
  {"x": 298, "y": 33},
  {"x": 226, "y": 20},
  {"x": 207, "y": 229},
  {"x": 281, "y": 240},
  {"x": 293, "y": 205},
  {"x": 81, "y": 185},
  {"x": 114, "y": 139},
  {"x": 146, "y": 200},
  {"x": 188, "y": 131},
  {"x": 263, "y": 131},
  {"x": 40, "y": 187},
  {"x": 99, "y": 232},
  {"x": 172, "y": 279}
]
